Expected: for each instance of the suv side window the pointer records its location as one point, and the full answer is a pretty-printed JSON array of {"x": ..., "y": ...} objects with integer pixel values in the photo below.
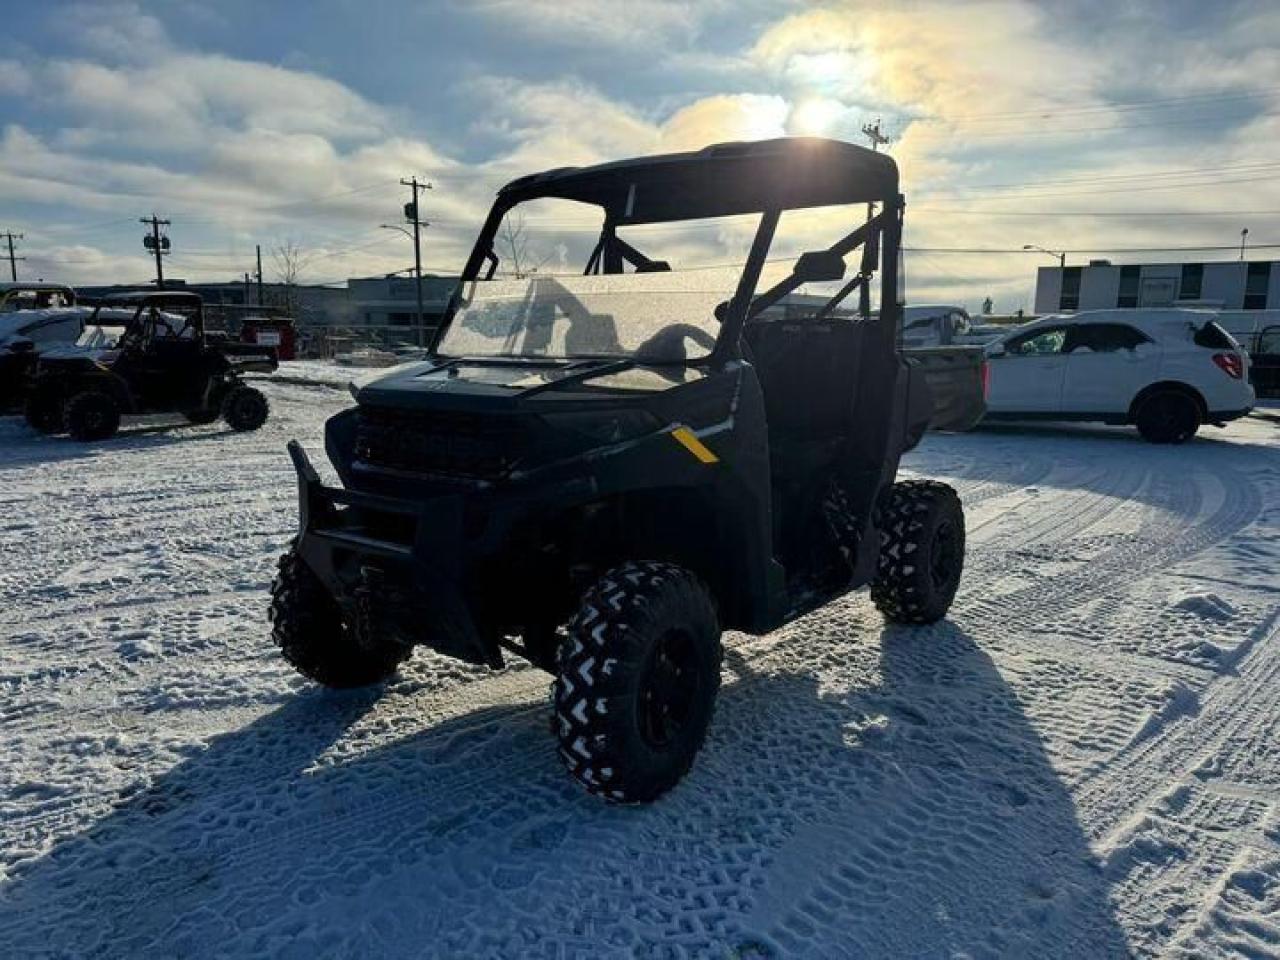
[
  {"x": 1103, "y": 337},
  {"x": 1038, "y": 343}
]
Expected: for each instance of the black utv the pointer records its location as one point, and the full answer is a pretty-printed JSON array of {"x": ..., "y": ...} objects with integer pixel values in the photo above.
[
  {"x": 144, "y": 353},
  {"x": 602, "y": 471}
]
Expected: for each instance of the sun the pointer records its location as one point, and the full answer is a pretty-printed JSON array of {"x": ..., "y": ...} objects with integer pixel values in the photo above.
[{"x": 815, "y": 115}]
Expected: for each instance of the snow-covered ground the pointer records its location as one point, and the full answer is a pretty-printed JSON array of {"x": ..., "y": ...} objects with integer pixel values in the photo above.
[{"x": 1083, "y": 761}]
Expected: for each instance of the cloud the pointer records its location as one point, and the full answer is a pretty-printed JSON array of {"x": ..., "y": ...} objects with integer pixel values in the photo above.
[
  {"x": 15, "y": 80},
  {"x": 941, "y": 59},
  {"x": 631, "y": 24},
  {"x": 114, "y": 30}
]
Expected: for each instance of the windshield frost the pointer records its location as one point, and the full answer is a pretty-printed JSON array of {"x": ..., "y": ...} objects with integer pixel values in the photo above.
[{"x": 666, "y": 317}]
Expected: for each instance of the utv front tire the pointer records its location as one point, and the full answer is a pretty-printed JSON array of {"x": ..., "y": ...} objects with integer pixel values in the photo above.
[
  {"x": 43, "y": 412},
  {"x": 245, "y": 408},
  {"x": 637, "y": 681},
  {"x": 309, "y": 628},
  {"x": 92, "y": 415},
  {"x": 921, "y": 552}
]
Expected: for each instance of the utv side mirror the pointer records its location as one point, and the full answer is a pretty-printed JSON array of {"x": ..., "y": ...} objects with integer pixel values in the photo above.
[{"x": 818, "y": 266}]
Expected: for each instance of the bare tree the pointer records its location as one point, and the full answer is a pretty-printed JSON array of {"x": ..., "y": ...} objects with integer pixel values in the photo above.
[
  {"x": 513, "y": 234},
  {"x": 517, "y": 243},
  {"x": 290, "y": 260}
]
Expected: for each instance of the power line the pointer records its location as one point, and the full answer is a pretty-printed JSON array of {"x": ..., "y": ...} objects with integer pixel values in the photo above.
[
  {"x": 1124, "y": 214},
  {"x": 1159, "y": 102},
  {"x": 1097, "y": 248}
]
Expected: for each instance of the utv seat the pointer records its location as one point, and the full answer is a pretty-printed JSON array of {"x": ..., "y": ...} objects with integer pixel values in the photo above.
[{"x": 808, "y": 373}]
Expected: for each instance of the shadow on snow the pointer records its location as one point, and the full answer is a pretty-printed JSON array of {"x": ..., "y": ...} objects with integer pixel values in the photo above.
[{"x": 904, "y": 806}]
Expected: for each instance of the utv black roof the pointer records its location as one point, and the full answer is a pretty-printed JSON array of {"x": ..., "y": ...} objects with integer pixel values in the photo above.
[{"x": 721, "y": 180}]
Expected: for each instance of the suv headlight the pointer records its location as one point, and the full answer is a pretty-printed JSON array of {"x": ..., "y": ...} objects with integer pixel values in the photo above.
[{"x": 604, "y": 426}]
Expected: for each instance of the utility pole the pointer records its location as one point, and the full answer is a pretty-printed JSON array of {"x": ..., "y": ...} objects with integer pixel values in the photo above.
[
  {"x": 157, "y": 244},
  {"x": 259, "y": 247},
  {"x": 13, "y": 261},
  {"x": 411, "y": 215},
  {"x": 872, "y": 132}
]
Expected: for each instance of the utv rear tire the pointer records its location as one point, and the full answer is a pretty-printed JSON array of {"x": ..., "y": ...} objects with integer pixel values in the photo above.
[
  {"x": 312, "y": 634},
  {"x": 43, "y": 412},
  {"x": 637, "y": 681},
  {"x": 921, "y": 552},
  {"x": 245, "y": 408},
  {"x": 92, "y": 415},
  {"x": 1168, "y": 416}
]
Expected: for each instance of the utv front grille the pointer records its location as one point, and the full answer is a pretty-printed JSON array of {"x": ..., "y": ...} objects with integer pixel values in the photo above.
[{"x": 439, "y": 443}]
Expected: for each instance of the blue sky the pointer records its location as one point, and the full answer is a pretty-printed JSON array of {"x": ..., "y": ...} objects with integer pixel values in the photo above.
[{"x": 1079, "y": 125}]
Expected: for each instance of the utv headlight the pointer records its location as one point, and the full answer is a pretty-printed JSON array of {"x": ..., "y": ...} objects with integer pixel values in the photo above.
[{"x": 604, "y": 426}]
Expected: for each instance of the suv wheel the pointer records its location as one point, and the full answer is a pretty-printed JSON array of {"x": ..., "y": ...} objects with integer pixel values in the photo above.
[
  {"x": 245, "y": 408},
  {"x": 43, "y": 411},
  {"x": 92, "y": 415},
  {"x": 637, "y": 681},
  {"x": 921, "y": 552},
  {"x": 308, "y": 626},
  {"x": 1168, "y": 416}
]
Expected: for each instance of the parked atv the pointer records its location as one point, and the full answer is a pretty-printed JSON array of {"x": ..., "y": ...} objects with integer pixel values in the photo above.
[
  {"x": 603, "y": 472},
  {"x": 144, "y": 353}
]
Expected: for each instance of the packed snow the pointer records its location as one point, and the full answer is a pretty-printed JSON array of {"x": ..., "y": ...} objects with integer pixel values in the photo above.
[{"x": 1082, "y": 761}]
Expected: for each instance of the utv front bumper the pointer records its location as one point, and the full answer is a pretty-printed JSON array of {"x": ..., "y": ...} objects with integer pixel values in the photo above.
[{"x": 392, "y": 565}]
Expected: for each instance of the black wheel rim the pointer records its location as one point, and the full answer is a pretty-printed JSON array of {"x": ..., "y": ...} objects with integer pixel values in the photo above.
[
  {"x": 668, "y": 689},
  {"x": 1171, "y": 417},
  {"x": 944, "y": 558}
]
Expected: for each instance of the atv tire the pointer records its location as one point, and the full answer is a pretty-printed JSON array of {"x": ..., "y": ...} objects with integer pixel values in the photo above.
[
  {"x": 92, "y": 415},
  {"x": 1168, "y": 416},
  {"x": 43, "y": 412},
  {"x": 921, "y": 552},
  {"x": 313, "y": 635},
  {"x": 637, "y": 681},
  {"x": 245, "y": 408}
]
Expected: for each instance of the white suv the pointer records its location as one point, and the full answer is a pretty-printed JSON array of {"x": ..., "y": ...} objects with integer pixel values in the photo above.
[{"x": 1166, "y": 371}]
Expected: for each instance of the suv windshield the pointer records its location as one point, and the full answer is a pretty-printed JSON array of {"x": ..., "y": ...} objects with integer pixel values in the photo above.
[{"x": 664, "y": 317}]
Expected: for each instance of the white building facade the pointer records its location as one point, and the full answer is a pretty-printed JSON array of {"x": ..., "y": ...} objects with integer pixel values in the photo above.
[{"x": 1102, "y": 285}]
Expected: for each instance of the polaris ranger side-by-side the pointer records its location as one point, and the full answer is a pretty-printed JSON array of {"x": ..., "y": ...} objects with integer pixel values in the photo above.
[
  {"x": 143, "y": 353},
  {"x": 603, "y": 471}
]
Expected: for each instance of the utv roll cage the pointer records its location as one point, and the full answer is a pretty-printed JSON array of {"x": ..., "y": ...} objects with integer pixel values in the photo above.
[
  {"x": 729, "y": 179},
  {"x": 191, "y": 306}
]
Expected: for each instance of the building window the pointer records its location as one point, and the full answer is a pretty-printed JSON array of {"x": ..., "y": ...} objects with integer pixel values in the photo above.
[
  {"x": 1070, "y": 297},
  {"x": 1255, "y": 285},
  {"x": 1192, "y": 281},
  {"x": 1127, "y": 296}
]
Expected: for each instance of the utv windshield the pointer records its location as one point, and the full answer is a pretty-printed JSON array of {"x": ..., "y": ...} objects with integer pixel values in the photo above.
[{"x": 667, "y": 317}]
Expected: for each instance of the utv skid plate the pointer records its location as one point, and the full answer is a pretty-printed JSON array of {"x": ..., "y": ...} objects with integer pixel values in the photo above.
[{"x": 407, "y": 586}]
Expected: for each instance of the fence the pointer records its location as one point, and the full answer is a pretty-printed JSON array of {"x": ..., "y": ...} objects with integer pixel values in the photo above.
[{"x": 324, "y": 342}]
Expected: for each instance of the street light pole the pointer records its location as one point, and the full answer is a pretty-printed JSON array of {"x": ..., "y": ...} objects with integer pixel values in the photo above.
[
  {"x": 1062, "y": 257},
  {"x": 1244, "y": 234}
]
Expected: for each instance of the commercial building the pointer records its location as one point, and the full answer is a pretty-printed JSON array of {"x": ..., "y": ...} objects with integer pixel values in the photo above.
[{"x": 1101, "y": 284}]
